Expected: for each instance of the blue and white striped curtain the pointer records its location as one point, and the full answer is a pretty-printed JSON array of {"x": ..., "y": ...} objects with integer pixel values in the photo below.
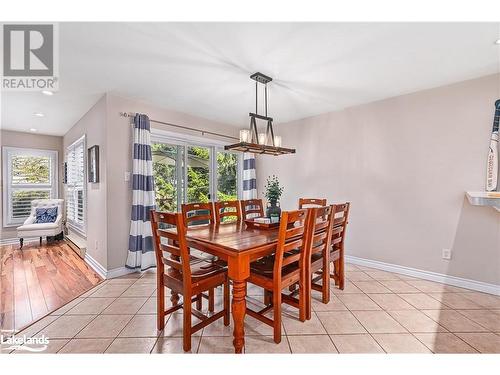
[
  {"x": 249, "y": 177},
  {"x": 140, "y": 244}
]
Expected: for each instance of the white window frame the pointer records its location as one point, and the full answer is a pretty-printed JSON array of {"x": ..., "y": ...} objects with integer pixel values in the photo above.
[
  {"x": 8, "y": 187},
  {"x": 214, "y": 145},
  {"x": 79, "y": 228}
]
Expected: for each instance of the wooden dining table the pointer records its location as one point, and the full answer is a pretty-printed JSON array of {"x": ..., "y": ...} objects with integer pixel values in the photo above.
[{"x": 238, "y": 245}]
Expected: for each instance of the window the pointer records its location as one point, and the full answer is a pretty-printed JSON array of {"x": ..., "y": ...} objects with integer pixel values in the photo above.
[
  {"x": 28, "y": 174},
  {"x": 75, "y": 185},
  {"x": 193, "y": 170}
]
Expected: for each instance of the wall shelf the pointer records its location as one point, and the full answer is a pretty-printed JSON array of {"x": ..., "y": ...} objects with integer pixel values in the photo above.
[{"x": 484, "y": 198}]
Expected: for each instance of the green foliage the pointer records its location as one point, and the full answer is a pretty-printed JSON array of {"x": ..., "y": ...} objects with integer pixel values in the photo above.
[
  {"x": 30, "y": 170},
  {"x": 164, "y": 172},
  {"x": 273, "y": 189}
]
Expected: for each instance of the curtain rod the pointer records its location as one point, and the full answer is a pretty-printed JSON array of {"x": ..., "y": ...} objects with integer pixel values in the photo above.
[{"x": 203, "y": 132}]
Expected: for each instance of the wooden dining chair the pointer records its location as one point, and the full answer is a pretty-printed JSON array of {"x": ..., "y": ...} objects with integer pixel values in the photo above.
[
  {"x": 285, "y": 268},
  {"x": 311, "y": 202},
  {"x": 197, "y": 213},
  {"x": 252, "y": 208},
  {"x": 340, "y": 221},
  {"x": 318, "y": 246},
  {"x": 177, "y": 271},
  {"x": 227, "y": 209}
]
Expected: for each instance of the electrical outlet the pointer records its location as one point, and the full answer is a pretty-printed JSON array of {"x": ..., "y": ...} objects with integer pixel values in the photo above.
[{"x": 447, "y": 254}]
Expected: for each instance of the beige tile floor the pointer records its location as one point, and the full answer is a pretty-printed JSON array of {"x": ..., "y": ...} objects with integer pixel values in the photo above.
[{"x": 377, "y": 312}]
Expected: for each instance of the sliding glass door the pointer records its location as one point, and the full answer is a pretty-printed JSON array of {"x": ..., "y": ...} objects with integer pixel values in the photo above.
[{"x": 188, "y": 172}]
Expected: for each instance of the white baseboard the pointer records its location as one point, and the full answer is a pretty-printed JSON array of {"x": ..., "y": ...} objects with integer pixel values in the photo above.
[
  {"x": 103, "y": 272},
  {"x": 427, "y": 275},
  {"x": 95, "y": 265},
  {"x": 117, "y": 272}
]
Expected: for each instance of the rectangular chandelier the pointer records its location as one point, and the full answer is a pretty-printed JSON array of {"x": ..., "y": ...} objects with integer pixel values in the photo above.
[{"x": 251, "y": 140}]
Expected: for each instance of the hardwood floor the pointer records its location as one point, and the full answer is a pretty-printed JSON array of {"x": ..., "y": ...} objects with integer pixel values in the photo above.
[{"x": 37, "y": 280}]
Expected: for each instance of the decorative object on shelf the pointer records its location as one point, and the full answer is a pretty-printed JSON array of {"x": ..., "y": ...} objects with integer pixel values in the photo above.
[
  {"x": 93, "y": 164},
  {"x": 251, "y": 140},
  {"x": 273, "y": 194},
  {"x": 492, "y": 162}
]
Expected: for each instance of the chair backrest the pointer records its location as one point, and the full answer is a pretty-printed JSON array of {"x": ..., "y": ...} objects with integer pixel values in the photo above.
[
  {"x": 319, "y": 239},
  {"x": 198, "y": 213},
  {"x": 252, "y": 207},
  {"x": 311, "y": 202},
  {"x": 229, "y": 209},
  {"x": 47, "y": 203},
  {"x": 340, "y": 219},
  {"x": 292, "y": 240},
  {"x": 173, "y": 251}
]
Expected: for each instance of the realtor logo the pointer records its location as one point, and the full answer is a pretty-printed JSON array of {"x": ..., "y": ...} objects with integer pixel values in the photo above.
[{"x": 30, "y": 60}]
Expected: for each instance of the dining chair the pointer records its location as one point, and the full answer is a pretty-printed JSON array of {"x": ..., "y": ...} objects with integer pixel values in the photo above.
[
  {"x": 311, "y": 202},
  {"x": 318, "y": 245},
  {"x": 340, "y": 221},
  {"x": 197, "y": 213},
  {"x": 227, "y": 209},
  {"x": 253, "y": 207},
  {"x": 286, "y": 267},
  {"x": 178, "y": 272}
]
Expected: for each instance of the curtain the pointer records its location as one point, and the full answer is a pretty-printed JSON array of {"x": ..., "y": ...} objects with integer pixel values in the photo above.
[
  {"x": 249, "y": 177},
  {"x": 140, "y": 244}
]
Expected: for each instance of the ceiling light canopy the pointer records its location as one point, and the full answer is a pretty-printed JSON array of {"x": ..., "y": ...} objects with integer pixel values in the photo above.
[
  {"x": 38, "y": 114},
  {"x": 253, "y": 141}
]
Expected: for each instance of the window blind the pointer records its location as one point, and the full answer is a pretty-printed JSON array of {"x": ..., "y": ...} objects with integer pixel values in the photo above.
[{"x": 75, "y": 185}]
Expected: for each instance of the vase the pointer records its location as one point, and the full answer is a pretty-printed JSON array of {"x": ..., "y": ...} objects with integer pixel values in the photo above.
[{"x": 273, "y": 210}]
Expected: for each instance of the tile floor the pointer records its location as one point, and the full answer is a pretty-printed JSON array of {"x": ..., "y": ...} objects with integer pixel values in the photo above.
[{"x": 377, "y": 312}]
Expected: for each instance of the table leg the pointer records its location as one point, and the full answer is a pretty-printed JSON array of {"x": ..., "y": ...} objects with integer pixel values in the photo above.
[{"x": 239, "y": 309}]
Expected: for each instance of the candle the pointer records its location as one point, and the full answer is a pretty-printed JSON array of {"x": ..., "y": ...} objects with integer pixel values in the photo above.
[
  {"x": 277, "y": 141},
  {"x": 262, "y": 138},
  {"x": 244, "y": 135}
]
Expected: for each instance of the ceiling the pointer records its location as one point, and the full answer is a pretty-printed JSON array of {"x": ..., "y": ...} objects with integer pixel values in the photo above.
[{"x": 203, "y": 68}]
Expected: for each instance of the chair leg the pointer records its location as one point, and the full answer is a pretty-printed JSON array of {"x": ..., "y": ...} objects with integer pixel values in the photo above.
[
  {"x": 341, "y": 269},
  {"x": 226, "y": 303},
  {"x": 40, "y": 241},
  {"x": 277, "y": 317},
  {"x": 199, "y": 302},
  {"x": 268, "y": 297},
  {"x": 211, "y": 300},
  {"x": 325, "y": 290},
  {"x": 160, "y": 308},
  {"x": 21, "y": 243},
  {"x": 336, "y": 271},
  {"x": 186, "y": 327},
  {"x": 303, "y": 305}
]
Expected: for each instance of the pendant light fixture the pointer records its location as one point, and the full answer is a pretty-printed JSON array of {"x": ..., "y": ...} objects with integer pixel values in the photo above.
[{"x": 250, "y": 139}]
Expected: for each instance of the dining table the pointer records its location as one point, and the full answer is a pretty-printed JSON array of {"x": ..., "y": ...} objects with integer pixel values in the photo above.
[{"x": 238, "y": 245}]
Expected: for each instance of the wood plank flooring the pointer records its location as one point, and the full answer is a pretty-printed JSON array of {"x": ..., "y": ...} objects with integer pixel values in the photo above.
[{"x": 37, "y": 280}]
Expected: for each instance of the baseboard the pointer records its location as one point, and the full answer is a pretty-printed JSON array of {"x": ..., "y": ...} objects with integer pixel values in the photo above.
[
  {"x": 427, "y": 275},
  {"x": 95, "y": 265},
  {"x": 117, "y": 272}
]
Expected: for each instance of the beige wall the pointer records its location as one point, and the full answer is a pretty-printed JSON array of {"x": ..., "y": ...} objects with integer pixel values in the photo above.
[
  {"x": 405, "y": 164},
  {"x": 119, "y": 161},
  {"x": 27, "y": 140},
  {"x": 93, "y": 126}
]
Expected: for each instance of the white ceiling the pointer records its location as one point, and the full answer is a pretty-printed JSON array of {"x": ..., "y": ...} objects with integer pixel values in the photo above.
[{"x": 204, "y": 68}]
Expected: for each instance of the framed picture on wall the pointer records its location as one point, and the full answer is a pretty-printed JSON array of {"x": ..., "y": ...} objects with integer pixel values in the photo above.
[{"x": 93, "y": 164}]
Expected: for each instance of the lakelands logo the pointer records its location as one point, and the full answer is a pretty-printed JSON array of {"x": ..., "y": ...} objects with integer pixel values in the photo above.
[
  {"x": 30, "y": 57},
  {"x": 29, "y": 344}
]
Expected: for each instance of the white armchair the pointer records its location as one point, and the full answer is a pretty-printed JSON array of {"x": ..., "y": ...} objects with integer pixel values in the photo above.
[{"x": 32, "y": 229}]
